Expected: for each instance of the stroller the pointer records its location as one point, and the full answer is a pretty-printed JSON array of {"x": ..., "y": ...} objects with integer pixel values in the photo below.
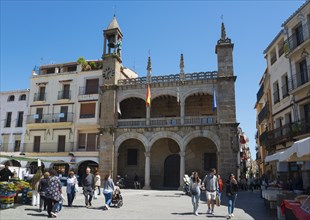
[
  {"x": 187, "y": 181},
  {"x": 117, "y": 199}
]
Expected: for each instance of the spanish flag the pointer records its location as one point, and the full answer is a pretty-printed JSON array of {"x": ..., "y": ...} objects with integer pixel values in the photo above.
[{"x": 148, "y": 96}]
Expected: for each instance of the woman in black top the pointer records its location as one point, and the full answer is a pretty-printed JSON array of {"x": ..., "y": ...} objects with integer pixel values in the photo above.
[
  {"x": 42, "y": 190},
  {"x": 231, "y": 193}
]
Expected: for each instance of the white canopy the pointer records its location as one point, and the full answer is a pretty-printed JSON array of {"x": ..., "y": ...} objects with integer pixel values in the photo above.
[
  {"x": 274, "y": 156},
  {"x": 300, "y": 150}
]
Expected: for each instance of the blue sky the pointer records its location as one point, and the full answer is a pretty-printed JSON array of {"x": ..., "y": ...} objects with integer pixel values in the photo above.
[{"x": 43, "y": 32}]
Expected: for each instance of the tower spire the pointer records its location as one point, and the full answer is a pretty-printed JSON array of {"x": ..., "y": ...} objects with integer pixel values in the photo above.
[
  {"x": 224, "y": 38},
  {"x": 182, "y": 67},
  {"x": 149, "y": 69},
  {"x": 223, "y": 32}
]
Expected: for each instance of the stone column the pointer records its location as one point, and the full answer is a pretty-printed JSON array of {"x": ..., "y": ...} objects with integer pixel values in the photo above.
[
  {"x": 182, "y": 168},
  {"x": 182, "y": 113},
  {"x": 148, "y": 115},
  {"x": 147, "y": 170}
]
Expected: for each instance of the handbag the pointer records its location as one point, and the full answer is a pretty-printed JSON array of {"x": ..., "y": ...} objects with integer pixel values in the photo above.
[
  {"x": 194, "y": 191},
  {"x": 76, "y": 187},
  {"x": 217, "y": 200}
]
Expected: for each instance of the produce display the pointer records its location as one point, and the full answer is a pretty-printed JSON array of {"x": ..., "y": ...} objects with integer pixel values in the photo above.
[{"x": 9, "y": 190}]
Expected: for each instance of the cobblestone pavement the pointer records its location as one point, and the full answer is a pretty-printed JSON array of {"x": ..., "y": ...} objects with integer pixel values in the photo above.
[{"x": 149, "y": 204}]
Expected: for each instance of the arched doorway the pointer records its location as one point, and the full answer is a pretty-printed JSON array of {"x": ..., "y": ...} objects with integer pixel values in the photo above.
[
  {"x": 82, "y": 168},
  {"x": 12, "y": 162},
  {"x": 34, "y": 166},
  {"x": 61, "y": 168},
  {"x": 172, "y": 171}
]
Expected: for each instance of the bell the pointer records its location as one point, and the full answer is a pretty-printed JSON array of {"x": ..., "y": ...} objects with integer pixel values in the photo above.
[{"x": 111, "y": 41}]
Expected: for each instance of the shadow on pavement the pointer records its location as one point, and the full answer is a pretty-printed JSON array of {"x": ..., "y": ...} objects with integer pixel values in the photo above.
[
  {"x": 38, "y": 215},
  {"x": 182, "y": 213}
]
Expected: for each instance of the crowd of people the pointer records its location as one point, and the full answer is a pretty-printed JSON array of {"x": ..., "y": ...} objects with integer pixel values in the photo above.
[
  {"x": 213, "y": 186},
  {"x": 47, "y": 191}
]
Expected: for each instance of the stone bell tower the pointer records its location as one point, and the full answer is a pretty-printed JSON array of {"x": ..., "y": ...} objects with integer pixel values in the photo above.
[
  {"x": 111, "y": 73},
  {"x": 226, "y": 79}
]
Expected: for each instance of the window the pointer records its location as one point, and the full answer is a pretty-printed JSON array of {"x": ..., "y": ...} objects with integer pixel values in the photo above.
[
  {"x": 38, "y": 116},
  {"x": 87, "y": 141},
  {"x": 64, "y": 114},
  {"x": 299, "y": 35},
  {"x": 276, "y": 95},
  {"x": 22, "y": 97},
  {"x": 88, "y": 110},
  {"x": 281, "y": 48},
  {"x": 303, "y": 76},
  {"x": 17, "y": 146},
  {"x": 61, "y": 143},
  {"x": 66, "y": 91},
  {"x": 132, "y": 157},
  {"x": 307, "y": 113},
  {"x": 8, "y": 119},
  {"x": 209, "y": 161},
  {"x": 36, "y": 143},
  {"x": 273, "y": 57},
  {"x": 42, "y": 93},
  {"x": 11, "y": 98},
  {"x": 92, "y": 86},
  {"x": 82, "y": 141},
  {"x": 20, "y": 119},
  {"x": 50, "y": 70},
  {"x": 71, "y": 68},
  {"x": 284, "y": 86}
]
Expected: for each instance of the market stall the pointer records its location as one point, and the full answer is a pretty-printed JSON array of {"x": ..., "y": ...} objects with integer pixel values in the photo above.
[{"x": 10, "y": 191}]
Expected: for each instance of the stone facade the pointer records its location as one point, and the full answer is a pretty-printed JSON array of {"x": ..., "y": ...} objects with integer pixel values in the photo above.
[{"x": 180, "y": 132}]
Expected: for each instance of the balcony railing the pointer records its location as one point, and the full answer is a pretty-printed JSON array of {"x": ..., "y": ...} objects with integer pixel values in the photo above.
[
  {"x": 88, "y": 90},
  {"x": 64, "y": 94},
  {"x": 169, "y": 78},
  {"x": 260, "y": 93},
  {"x": 296, "y": 39},
  {"x": 50, "y": 147},
  {"x": 263, "y": 113},
  {"x": 39, "y": 97},
  {"x": 50, "y": 118},
  {"x": 171, "y": 121},
  {"x": 299, "y": 79},
  {"x": 263, "y": 138},
  {"x": 287, "y": 132}
]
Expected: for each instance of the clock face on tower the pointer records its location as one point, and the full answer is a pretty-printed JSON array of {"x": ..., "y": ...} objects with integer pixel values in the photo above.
[{"x": 108, "y": 73}]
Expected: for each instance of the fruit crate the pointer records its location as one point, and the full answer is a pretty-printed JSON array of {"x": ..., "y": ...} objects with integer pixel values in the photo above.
[{"x": 6, "y": 206}]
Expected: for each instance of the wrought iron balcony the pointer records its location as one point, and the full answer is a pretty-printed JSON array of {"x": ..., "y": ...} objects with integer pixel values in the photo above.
[
  {"x": 287, "y": 132},
  {"x": 263, "y": 138},
  {"x": 297, "y": 39},
  {"x": 299, "y": 79},
  {"x": 260, "y": 93},
  {"x": 88, "y": 90},
  {"x": 263, "y": 113},
  {"x": 64, "y": 94},
  {"x": 39, "y": 97},
  {"x": 50, "y": 118}
]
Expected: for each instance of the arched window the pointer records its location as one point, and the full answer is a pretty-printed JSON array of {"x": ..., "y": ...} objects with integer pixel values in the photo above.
[
  {"x": 11, "y": 98},
  {"x": 22, "y": 97}
]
